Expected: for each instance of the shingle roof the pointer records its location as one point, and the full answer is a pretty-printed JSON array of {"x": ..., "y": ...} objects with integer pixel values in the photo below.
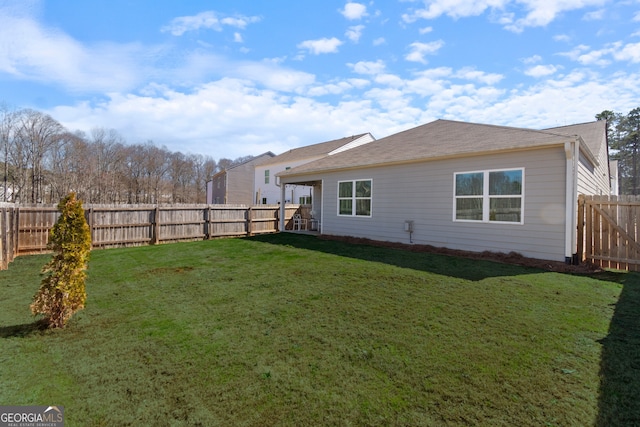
[
  {"x": 256, "y": 159},
  {"x": 594, "y": 134},
  {"x": 311, "y": 151},
  {"x": 439, "y": 139}
]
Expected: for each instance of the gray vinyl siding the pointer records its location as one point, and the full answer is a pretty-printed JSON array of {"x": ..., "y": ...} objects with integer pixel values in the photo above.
[
  {"x": 240, "y": 184},
  {"x": 423, "y": 193},
  {"x": 594, "y": 179}
]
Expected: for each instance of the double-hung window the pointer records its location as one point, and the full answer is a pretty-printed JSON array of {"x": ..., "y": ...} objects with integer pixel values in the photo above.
[
  {"x": 354, "y": 198},
  {"x": 266, "y": 176},
  {"x": 489, "y": 196}
]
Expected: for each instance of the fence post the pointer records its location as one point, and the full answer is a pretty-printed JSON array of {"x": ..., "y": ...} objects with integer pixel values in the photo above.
[
  {"x": 90, "y": 221},
  {"x": 16, "y": 231},
  {"x": 4, "y": 218},
  {"x": 155, "y": 226},
  {"x": 207, "y": 223},
  {"x": 580, "y": 249},
  {"x": 249, "y": 221}
]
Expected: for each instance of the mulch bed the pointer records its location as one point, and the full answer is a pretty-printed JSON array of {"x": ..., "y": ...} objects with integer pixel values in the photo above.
[{"x": 510, "y": 258}]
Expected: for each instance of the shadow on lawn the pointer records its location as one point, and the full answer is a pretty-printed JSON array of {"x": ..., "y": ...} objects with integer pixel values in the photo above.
[
  {"x": 447, "y": 265},
  {"x": 619, "y": 402},
  {"x": 618, "y": 397},
  {"x": 21, "y": 331}
]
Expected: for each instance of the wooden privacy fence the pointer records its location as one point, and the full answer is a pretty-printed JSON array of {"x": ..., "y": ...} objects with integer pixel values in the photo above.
[
  {"x": 25, "y": 229},
  {"x": 608, "y": 231}
]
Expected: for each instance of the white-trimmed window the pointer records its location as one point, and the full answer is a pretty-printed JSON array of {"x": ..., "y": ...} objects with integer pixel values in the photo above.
[
  {"x": 489, "y": 196},
  {"x": 266, "y": 176},
  {"x": 354, "y": 198}
]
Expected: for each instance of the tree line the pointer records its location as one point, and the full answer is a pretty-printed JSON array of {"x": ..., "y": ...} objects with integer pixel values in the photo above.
[
  {"x": 42, "y": 162},
  {"x": 623, "y": 133}
]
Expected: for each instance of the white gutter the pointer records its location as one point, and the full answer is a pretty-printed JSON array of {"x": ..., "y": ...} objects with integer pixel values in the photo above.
[{"x": 572, "y": 153}]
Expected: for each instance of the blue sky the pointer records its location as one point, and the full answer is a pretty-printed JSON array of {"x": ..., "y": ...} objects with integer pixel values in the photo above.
[{"x": 235, "y": 78}]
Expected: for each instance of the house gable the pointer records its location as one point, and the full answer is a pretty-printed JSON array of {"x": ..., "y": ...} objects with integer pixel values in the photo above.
[
  {"x": 235, "y": 184},
  {"x": 267, "y": 190}
]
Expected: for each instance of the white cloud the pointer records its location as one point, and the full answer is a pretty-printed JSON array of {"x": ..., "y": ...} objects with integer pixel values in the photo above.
[
  {"x": 389, "y": 80},
  {"x": 418, "y": 50},
  {"x": 47, "y": 55},
  {"x": 425, "y": 30},
  {"x": 250, "y": 119},
  {"x": 320, "y": 46},
  {"x": 353, "y": 11},
  {"x": 354, "y": 33},
  {"x": 336, "y": 88},
  {"x": 237, "y": 37},
  {"x": 596, "y": 15},
  {"x": 541, "y": 71},
  {"x": 636, "y": 17},
  {"x": 629, "y": 52},
  {"x": 532, "y": 59},
  {"x": 227, "y": 118},
  {"x": 453, "y": 8},
  {"x": 562, "y": 38},
  {"x": 368, "y": 67},
  {"x": 541, "y": 12},
  {"x": 379, "y": 41},
  {"x": 537, "y": 13},
  {"x": 472, "y": 74},
  {"x": 616, "y": 51},
  {"x": 207, "y": 20}
]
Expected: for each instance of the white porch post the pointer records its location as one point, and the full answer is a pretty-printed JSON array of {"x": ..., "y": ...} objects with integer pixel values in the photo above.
[{"x": 282, "y": 206}]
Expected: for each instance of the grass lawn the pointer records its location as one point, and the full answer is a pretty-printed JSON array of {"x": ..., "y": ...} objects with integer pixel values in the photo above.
[{"x": 292, "y": 330}]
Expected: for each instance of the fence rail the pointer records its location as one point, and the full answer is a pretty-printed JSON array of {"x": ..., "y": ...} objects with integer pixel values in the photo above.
[
  {"x": 609, "y": 231},
  {"x": 25, "y": 229}
]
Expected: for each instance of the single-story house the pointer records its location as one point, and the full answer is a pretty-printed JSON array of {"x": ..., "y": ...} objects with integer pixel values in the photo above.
[
  {"x": 464, "y": 186},
  {"x": 266, "y": 185},
  {"x": 234, "y": 185}
]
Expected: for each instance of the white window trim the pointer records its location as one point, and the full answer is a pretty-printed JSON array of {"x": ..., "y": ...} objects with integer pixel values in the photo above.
[
  {"x": 486, "y": 197},
  {"x": 354, "y": 198}
]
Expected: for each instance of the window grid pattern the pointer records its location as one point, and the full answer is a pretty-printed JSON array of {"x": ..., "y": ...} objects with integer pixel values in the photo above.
[
  {"x": 355, "y": 198},
  {"x": 489, "y": 196}
]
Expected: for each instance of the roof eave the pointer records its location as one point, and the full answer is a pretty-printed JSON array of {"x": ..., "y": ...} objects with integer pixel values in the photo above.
[{"x": 292, "y": 173}]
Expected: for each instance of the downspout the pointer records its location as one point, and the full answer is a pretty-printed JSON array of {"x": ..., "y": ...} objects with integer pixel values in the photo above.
[{"x": 572, "y": 153}]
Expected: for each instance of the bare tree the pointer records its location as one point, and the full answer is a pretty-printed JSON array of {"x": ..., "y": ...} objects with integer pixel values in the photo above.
[
  {"x": 204, "y": 167},
  {"x": 41, "y": 162},
  {"x": 109, "y": 155},
  {"x": 72, "y": 167},
  {"x": 38, "y": 134},
  {"x": 155, "y": 168},
  {"x": 7, "y": 130}
]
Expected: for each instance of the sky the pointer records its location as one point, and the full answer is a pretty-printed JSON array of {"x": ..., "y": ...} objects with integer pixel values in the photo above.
[{"x": 237, "y": 78}]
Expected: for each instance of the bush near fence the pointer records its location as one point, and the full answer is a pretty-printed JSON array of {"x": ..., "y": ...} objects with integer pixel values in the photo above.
[{"x": 24, "y": 229}]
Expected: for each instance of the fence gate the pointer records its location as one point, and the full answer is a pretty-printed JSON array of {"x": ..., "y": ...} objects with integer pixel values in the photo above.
[{"x": 608, "y": 231}]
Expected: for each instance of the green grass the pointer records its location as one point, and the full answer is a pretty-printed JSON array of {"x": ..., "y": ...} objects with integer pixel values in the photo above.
[{"x": 292, "y": 330}]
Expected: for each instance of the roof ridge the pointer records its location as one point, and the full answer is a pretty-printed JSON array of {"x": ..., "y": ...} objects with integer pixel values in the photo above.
[{"x": 352, "y": 137}]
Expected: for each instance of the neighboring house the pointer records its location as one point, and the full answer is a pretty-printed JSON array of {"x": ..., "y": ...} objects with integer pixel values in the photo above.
[
  {"x": 268, "y": 190},
  {"x": 463, "y": 186},
  {"x": 235, "y": 184}
]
